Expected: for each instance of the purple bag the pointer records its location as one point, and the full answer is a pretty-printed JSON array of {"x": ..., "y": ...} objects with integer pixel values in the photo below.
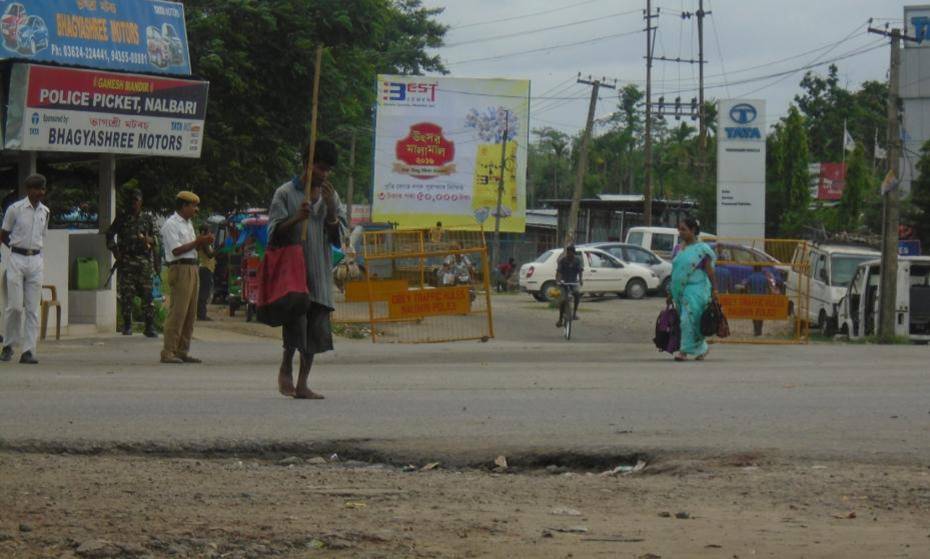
[{"x": 668, "y": 332}]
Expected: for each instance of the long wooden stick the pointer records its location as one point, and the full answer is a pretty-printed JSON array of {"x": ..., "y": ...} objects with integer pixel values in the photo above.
[{"x": 317, "y": 69}]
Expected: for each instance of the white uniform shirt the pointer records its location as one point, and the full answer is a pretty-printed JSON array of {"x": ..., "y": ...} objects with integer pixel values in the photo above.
[
  {"x": 176, "y": 232},
  {"x": 26, "y": 224}
]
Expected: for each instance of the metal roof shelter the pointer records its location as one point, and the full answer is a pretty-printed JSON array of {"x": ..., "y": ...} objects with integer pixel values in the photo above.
[{"x": 609, "y": 216}]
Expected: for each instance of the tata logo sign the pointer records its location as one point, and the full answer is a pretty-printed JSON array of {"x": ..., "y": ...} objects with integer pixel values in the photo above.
[
  {"x": 743, "y": 114},
  {"x": 417, "y": 94},
  {"x": 921, "y": 28}
]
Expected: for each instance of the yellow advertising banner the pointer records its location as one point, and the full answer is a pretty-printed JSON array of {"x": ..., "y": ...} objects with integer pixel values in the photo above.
[
  {"x": 438, "y": 144},
  {"x": 754, "y": 307},
  {"x": 430, "y": 302}
]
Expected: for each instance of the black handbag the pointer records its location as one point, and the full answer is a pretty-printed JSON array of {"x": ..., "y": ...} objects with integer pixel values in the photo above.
[{"x": 713, "y": 321}]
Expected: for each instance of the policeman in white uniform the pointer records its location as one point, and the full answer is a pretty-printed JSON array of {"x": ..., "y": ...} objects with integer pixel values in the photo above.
[{"x": 25, "y": 224}]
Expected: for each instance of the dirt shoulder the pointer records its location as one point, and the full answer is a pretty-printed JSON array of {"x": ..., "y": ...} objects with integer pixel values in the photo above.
[{"x": 125, "y": 506}]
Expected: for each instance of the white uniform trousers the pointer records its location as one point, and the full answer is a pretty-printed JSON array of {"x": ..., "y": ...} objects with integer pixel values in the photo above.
[{"x": 23, "y": 293}]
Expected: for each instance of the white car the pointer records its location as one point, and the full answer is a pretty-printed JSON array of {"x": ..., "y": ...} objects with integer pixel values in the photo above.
[
  {"x": 660, "y": 240},
  {"x": 638, "y": 255},
  {"x": 602, "y": 274}
]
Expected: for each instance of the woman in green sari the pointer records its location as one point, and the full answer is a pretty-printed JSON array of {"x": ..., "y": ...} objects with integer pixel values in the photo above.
[{"x": 692, "y": 288}]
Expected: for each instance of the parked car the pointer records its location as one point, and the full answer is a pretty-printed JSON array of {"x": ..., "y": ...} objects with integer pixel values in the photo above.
[
  {"x": 638, "y": 255},
  {"x": 735, "y": 263},
  {"x": 13, "y": 17},
  {"x": 159, "y": 56},
  {"x": 32, "y": 36},
  {"x": 175, "y": 47},
  {"x": 602, "y": 274},
  {"x": 660, "y": 240},
  {"x": 829, "y": 269},
  {"x": 858, "y": 309}
]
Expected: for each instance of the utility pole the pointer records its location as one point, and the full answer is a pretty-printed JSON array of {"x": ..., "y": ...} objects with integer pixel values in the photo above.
[
  {"x": 702, "y": 119},
  {"x": 500, "y": 192},
  {"x": 596, "y": 85},
  {"x": 697, "y": 105},
  {"x": 890, "y": 215},
  {"x": 647, "y": 149}
]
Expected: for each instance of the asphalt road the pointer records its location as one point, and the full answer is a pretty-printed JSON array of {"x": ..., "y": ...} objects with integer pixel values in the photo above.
[{"x": 607, "y": 392}]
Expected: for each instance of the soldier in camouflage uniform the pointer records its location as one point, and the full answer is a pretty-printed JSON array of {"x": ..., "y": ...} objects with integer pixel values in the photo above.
[{"x": 131, "y": 238}]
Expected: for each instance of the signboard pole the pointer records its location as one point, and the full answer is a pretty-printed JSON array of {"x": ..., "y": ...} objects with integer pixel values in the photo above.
[{"x": 495, "y": 257}]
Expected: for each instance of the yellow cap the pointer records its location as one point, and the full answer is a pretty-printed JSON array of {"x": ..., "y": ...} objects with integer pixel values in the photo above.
[{"x": 188, "y": 196}]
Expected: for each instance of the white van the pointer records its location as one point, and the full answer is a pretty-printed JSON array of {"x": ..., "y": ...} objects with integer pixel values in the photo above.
[
  {"x": 829, "y": 271},
  {"x": 858, "y": 310},
  {"x": 660, "y": 240}
]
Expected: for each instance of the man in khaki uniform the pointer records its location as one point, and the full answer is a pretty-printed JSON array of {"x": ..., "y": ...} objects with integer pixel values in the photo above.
[{"x": 181, "y": 244}]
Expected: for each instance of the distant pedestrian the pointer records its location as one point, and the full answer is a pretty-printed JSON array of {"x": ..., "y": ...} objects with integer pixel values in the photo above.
[
  {"x": 131, "y": 239},
  {"x": 692, "y": 287},
  {"x": 759, "y": 282},
  {"x": 181, "y": 246},
  {"x": 25, "y": 225},
  {"x": 435, "y": 233},
  {"x": 206, "y": 258},
  {"x": 504, "y": 273}
]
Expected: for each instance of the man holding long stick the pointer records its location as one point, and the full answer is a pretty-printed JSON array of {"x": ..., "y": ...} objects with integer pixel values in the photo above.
[{"x": 290, "y": 212}]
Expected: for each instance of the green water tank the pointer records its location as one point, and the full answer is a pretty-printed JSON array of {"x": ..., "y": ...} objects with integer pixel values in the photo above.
[{"x": 87, "y": 273}]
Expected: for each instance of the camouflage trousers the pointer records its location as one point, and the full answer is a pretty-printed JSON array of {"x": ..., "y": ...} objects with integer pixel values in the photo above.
[{"x": 135, "y": 279}]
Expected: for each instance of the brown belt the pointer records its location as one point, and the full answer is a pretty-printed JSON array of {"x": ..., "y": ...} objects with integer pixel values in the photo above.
[{"x": 183, "y": 262}]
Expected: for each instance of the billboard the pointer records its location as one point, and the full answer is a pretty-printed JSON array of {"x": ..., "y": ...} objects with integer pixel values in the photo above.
[
  {"x": 741, "y": 168},
  {"x": 832, "y": 181},
  {"x": 67, "y": 109},
  {"x": 129, "y": 35},
  {"x": 438, "y": 151}
]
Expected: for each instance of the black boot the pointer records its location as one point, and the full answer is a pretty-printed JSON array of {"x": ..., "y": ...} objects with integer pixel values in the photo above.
[
  {"x": 150, "y": 328},
  {"x": 127, "y": 326}
]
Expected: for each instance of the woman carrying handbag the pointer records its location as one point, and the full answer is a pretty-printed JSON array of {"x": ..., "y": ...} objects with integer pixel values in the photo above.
[{"x": 692, "y": 288}]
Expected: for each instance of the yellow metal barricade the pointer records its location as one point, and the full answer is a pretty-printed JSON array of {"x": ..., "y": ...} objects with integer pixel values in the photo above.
[
  {"x": 764, "y": 289},
  {"x": 418, "y": 289}
]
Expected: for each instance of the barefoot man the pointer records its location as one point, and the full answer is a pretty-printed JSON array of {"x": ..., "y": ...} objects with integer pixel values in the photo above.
[{"x": 308, "y": 333}]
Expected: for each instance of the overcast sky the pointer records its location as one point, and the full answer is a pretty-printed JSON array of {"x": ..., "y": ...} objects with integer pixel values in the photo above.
[{"x": 743, "y": 40}]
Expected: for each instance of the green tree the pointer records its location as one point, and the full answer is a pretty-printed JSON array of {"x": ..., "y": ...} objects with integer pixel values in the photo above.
[
  {"x": 788, "y": 184},
  {"x": 257, "y": 56},
  {"x": 551, "y": 168},
  {"x": 859, "y": 180}
]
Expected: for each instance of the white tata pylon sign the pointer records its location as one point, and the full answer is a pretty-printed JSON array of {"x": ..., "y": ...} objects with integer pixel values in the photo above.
[{"x": 741, "y": 168}]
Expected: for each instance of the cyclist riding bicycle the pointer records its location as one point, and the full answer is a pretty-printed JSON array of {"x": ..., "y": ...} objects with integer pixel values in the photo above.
[{"x": 569, "y": 275}]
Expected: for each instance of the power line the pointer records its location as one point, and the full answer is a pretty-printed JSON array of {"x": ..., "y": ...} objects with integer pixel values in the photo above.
[
  {"x": 860, "y": 50},
  {"x": 713, "y": 22},
  {"x": 539, "y": 30},
  {"x": 547, "y": 48},
  {"x": 524, "y": 16},
  {"x": 819, "y": 56}
]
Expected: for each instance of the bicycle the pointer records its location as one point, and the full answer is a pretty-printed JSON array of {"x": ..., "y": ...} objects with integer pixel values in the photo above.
[{"x": 567, "y": 308}]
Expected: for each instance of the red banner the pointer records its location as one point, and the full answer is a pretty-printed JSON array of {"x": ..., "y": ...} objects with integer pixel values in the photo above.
[{"x": 832, "y": 181}]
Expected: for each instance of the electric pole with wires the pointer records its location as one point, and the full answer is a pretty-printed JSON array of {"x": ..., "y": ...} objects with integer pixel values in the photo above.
[
  {"x": 890, "y": 210},
  {"x": 647, "y": 148},
  {"x": 596, "y": 86}
]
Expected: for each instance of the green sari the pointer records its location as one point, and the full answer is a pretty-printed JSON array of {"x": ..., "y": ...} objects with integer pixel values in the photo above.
[{"x": 691, "y": 292}]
